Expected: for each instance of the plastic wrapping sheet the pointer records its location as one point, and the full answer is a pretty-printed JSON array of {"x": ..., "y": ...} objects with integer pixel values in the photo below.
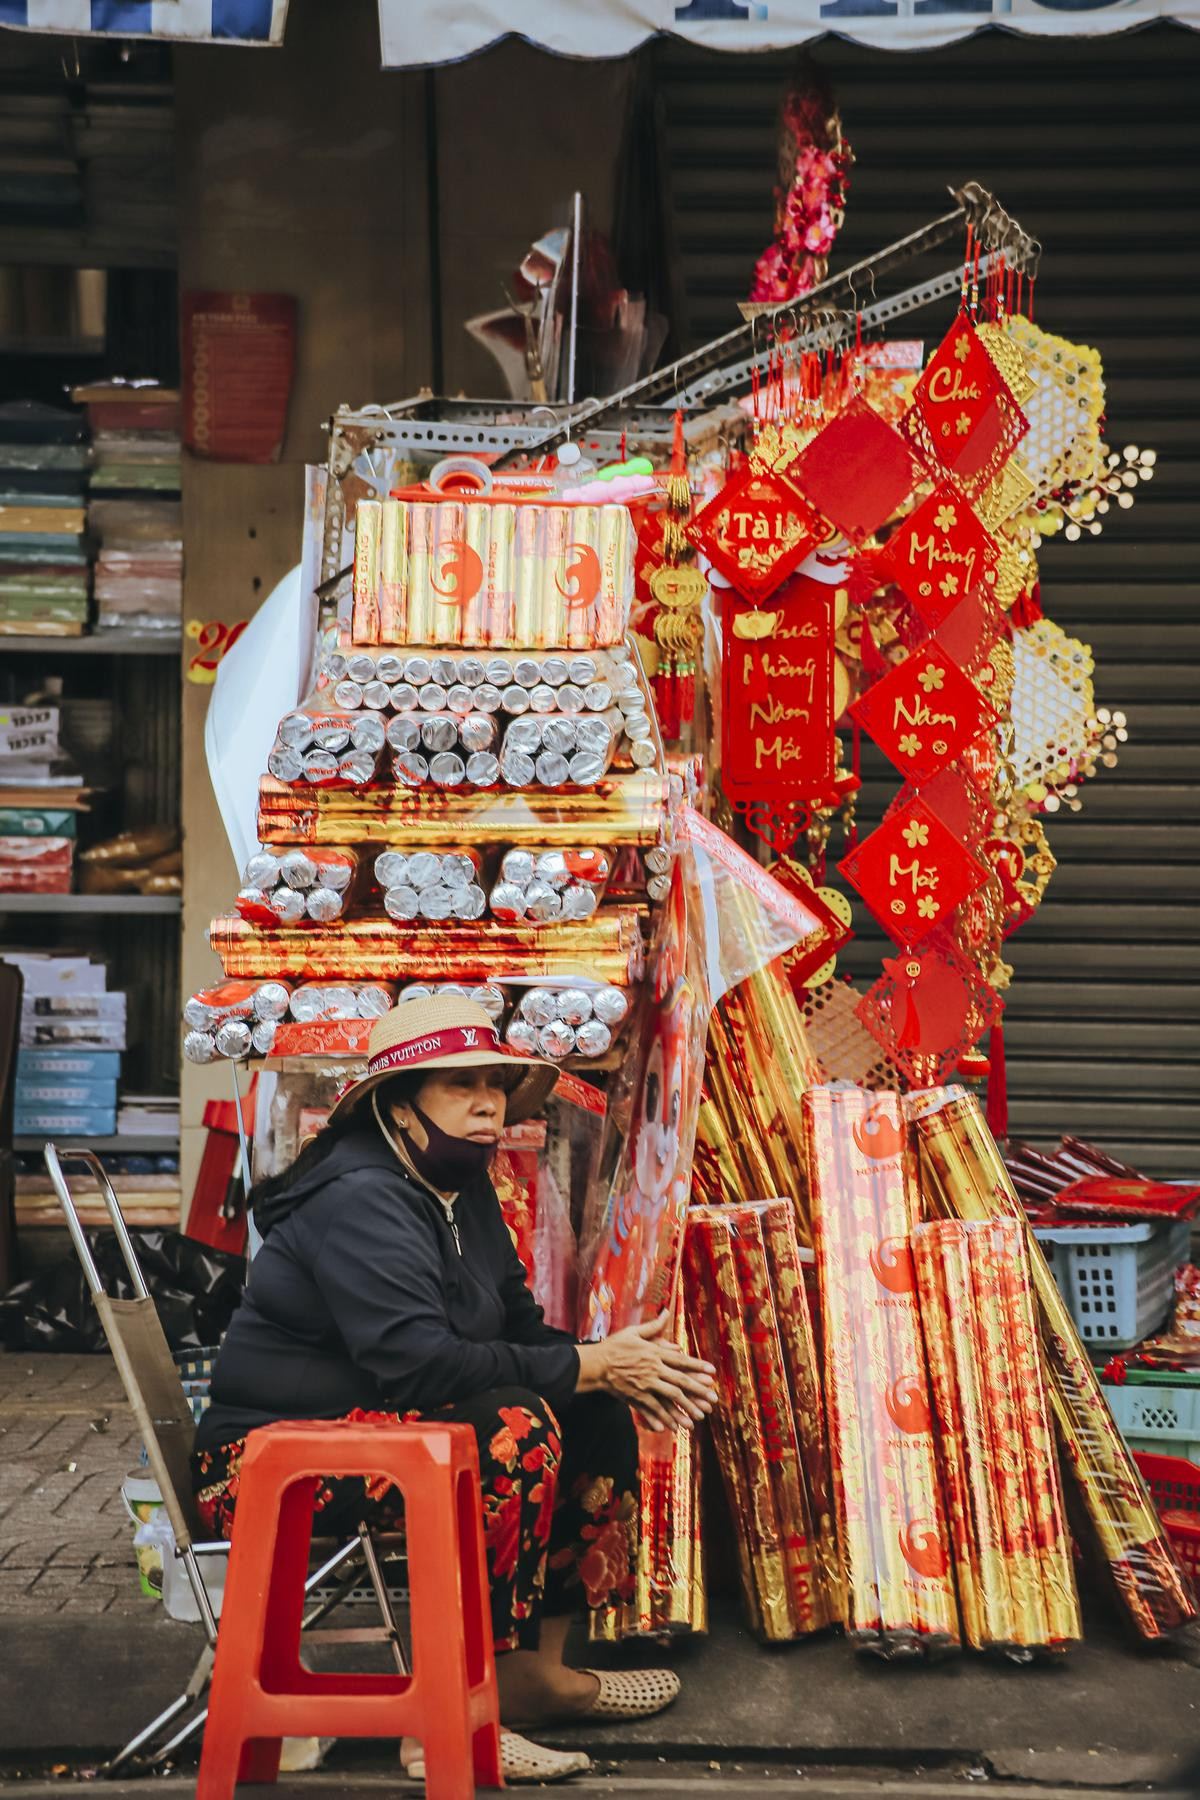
[
  {"x": 1008, "y": 1532},
  {"x": 724, "y": 920},
  {"x": 963, "y": 1177},
  {"x": 733, "y": 1323},
  {"x": 891, "y": 1523}
]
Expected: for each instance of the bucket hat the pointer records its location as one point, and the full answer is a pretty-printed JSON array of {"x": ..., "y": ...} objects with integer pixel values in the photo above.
[{"x": 445, "y": 1032}]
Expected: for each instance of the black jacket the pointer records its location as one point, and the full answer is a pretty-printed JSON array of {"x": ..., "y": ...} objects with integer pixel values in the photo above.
[{"x": 359, "y": 1298}]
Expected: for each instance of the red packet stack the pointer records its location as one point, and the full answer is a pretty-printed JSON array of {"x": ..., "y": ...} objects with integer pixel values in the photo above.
[
  {"x": 895, "y": 1548},
  {"x": 732, "y": 1320}
]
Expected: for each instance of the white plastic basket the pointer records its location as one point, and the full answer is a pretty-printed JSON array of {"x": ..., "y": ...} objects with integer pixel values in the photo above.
[{"x": 1117, "y": 1280}]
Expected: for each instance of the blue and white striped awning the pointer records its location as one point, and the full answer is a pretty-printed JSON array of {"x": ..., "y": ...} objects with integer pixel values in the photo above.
[{"x": 215, "y": 21}]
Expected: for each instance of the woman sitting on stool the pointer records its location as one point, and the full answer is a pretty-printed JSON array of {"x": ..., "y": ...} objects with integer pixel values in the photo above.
[{"x": 388, "y": 1287}]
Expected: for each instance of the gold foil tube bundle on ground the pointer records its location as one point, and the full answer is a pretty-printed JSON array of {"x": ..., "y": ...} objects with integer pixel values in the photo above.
[
  {"x": 732, "y": 1324},
  {"x": 804, "y": 1380},
  {"x": 606, "y": 947},
  {"x": 1008, "y": 1532},
  {"x": 894, "y": 1544},
  {"x": 963, "y": 1176},
  {"x": 670, "y": 1590},
  {"x": 620, "y": 809}
]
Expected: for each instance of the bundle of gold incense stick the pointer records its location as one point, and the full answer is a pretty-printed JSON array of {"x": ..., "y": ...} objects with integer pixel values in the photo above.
[
  {"x": 606, "y": 947},
  {"x": 750, "y": 1142},
  {"x": 895, "y": 1549},
  {"x": 733, "y": 1324},
  {"x": 1008, "y": 1532},
  {"x": 620, "y": 809},
  {"x": 963, "y": 1177}
]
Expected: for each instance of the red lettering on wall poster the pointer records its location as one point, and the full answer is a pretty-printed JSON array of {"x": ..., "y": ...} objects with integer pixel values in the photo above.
[{"x": 777, "y": 724}]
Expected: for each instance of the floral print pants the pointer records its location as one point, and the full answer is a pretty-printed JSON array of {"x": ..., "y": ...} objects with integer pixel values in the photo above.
[{"x": 560, "y": 1503}]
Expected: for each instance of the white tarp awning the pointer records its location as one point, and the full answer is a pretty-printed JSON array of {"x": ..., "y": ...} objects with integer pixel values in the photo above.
[
  {"x": 196, "y": 21},
  {"x": 417, "y": 32}
]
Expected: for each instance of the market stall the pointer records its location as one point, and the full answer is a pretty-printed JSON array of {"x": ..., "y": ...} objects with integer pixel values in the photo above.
[{"x": 583, "y": 739}]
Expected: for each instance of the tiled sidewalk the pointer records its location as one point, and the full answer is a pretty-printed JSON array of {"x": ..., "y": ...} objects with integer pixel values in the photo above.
[{"x": 67, "y": 1439}]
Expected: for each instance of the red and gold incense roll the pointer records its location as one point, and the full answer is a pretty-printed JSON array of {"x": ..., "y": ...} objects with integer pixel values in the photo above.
[
  {"x": 804, "y": 1381},
  {"x": 963, "y": 1176},
  {"x": 621, "y": 809},
  {"x": 808, "y": 1599},
  {"x": 368, "y": 522},
  {"x": 606, "y": 947},
  {"x": 393, "y": 572},
  {"x": 712, "y": 1297},
  {"x": 669, "y": 1592},
  {"x": 895, "y": 1552},
  {"x": 1007, "y": 1274}
]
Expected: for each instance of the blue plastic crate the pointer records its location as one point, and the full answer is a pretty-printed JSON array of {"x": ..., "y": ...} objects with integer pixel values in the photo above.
[{"x": 1118, "y": 1280}]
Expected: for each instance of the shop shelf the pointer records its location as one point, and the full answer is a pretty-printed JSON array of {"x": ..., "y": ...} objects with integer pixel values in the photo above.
[
  {"x": 106, "y": 643},
  {"x": 90, "y": 903},
  {"x": 163, "y": 1144}
]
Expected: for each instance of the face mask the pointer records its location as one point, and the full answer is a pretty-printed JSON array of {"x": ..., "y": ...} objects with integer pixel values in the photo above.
[{"x": 446, "y": 1162}]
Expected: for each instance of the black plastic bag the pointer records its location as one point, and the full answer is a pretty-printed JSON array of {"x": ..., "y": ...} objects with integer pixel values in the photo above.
[{"x": 196, "y": 1290}]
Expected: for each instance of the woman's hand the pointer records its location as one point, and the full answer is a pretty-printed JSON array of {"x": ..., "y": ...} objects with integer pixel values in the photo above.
[{"x": 663, "y": 1383}]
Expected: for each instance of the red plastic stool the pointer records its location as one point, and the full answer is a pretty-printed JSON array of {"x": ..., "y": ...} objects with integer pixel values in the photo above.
[{"x": 260, "y": 1691}]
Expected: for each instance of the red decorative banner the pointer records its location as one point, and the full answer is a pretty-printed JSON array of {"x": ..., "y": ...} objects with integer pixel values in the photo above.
[
  {"x": 941, "y": 553},
  {"x": 756, "y": 531},
  {"x": 927, "y": 1010},
  {"x": 913, "y": 873},
  {"x": 238, "y": 355},
  {"x": 777, "y": 738},
  {"x": 923, "y": 713},
  {"x": 963, "y": 419},
  {"x": 857, "y": 470}
]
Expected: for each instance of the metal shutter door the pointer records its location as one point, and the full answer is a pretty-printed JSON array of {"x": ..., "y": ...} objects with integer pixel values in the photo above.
[{"x": 1093, "y": 145}]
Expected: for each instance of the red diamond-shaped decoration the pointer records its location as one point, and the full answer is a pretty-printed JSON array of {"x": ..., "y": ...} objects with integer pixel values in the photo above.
[
  {"x": 955, "y": 800},
  {"x": 941, "y": 553},
  {"x": 756, "y": 531},
  {"x": 857, "y": 470},
  {"x": 923, "y": 713},
  {"x": 963, "y": 419},
  {"x": 913, "y": 873},
  {"x": 970, "y": 635},
  {"x": 927, "y": 1009}
]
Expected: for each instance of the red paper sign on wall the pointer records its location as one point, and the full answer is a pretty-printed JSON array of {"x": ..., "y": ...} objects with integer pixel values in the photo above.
[
  {"x": 777, "y": 738},
  {"x": 238, "y": 355}
]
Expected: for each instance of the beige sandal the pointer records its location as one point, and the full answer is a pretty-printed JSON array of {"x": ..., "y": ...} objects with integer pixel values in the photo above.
[
  {"x": 631, "y": 1693},
  {"x": 521, "y": 1761}
]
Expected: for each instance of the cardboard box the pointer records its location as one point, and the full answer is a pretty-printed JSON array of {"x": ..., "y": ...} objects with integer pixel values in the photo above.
[
  {"x": 66, "y": 1122},
  {"x": 42, "y": 1094}
]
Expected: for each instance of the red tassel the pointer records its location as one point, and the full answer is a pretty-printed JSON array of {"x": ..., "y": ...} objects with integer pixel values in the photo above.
[
  {"x": 667, "y": 699},
  {"x": 687, "y": 704},
  {"x": 1027, "y": 608},
  {"x": 997, "y": 1088},
  {"x": 873, "y": 661}
]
